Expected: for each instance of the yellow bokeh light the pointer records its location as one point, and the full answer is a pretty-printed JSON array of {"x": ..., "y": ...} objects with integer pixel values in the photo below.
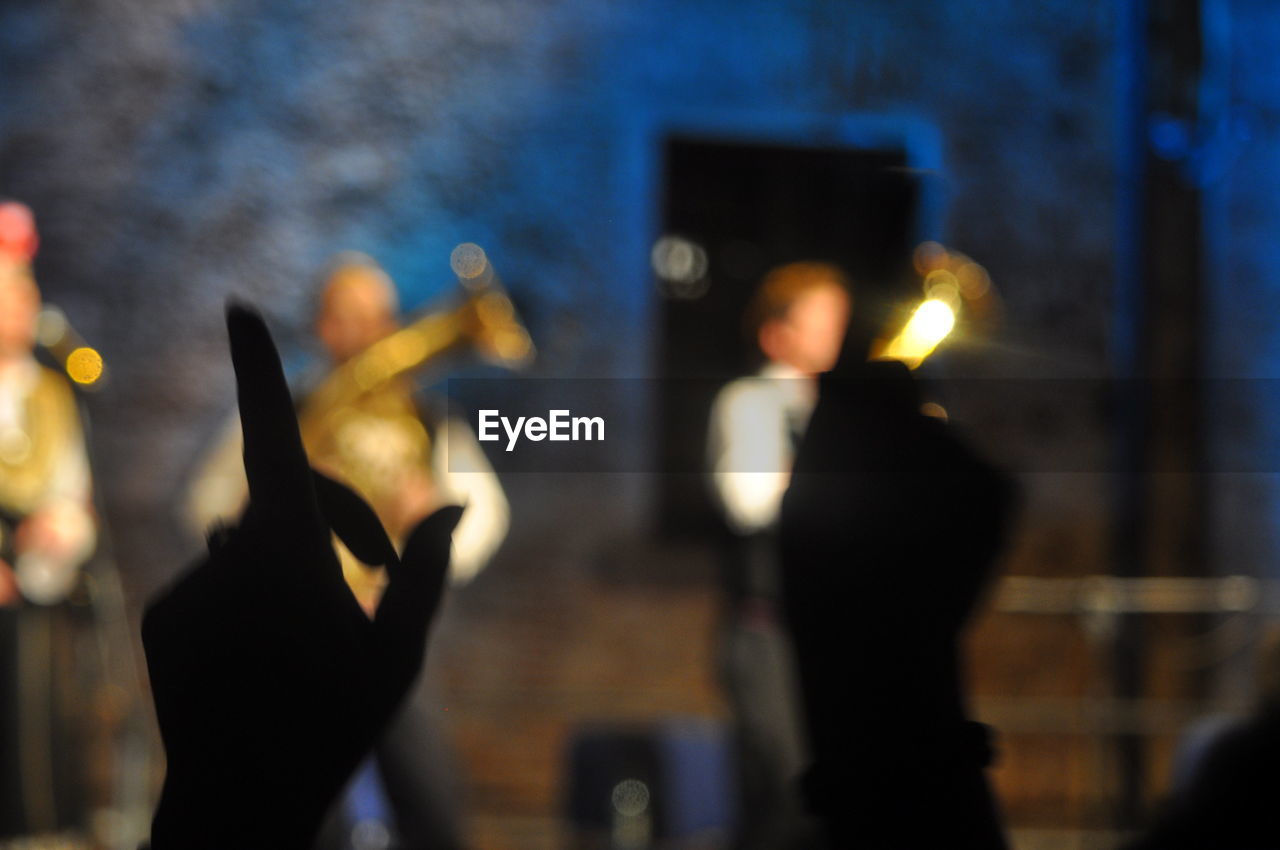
[
  {"x": 929, "y": 325},
  {"x": 84, "y": 365},
  {"x": 973, "y": 280},
  {"x": 941, "y": 285}
]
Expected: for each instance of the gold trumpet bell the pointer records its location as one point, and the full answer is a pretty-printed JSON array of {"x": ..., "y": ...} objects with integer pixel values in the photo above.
[
  {"x": 485, "y": 321},
  {"x": 361, "y": 423}
]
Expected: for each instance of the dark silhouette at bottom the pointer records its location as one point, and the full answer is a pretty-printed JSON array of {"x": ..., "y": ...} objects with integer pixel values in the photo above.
[{"x": 889, "y": 532}]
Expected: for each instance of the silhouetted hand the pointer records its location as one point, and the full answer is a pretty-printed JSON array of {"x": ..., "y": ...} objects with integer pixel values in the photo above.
[{"x": 270, "y": 682}]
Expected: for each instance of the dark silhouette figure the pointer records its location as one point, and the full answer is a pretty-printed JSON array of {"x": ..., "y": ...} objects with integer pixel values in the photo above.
[
  {"x": 888, "y": 534},
  {"x": 270, "y": 682},
  {"x": 1226, "y": 785},
  {"x": 1230, "y": 802}
]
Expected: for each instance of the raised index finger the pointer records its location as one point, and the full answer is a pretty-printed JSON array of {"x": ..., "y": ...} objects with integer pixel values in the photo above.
[{"x": 274, "y": 459}]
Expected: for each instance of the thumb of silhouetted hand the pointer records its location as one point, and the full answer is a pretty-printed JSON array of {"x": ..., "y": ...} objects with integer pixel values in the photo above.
[{"x": 270, "y": 682}]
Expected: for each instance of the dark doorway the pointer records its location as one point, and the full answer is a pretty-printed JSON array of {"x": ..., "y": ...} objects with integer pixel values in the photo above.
[{"x": 750, "y": 207}]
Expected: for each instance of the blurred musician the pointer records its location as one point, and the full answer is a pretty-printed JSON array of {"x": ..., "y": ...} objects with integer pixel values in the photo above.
[
  {"x": 398, "y": 451},
  {"x": 47, "y": 531},
  {"x": 405, "y": 459},
  {"x": 405, "y": 456},
  {"x": 798, "y": 317}
]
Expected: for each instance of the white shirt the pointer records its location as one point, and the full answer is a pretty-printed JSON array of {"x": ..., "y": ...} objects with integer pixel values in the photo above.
[
  {"x": 459, "y": 468},
  {"x": 65, "y": 499},
  {"x": 750, "y": 442}
]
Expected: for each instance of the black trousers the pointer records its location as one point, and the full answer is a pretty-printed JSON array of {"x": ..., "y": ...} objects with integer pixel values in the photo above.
[
  {"x": 42, "y": 780},
  {"x": 759, "y": 679}
]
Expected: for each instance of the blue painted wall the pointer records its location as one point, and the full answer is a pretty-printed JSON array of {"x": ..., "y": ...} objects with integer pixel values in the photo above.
[
  {"x": 1236, "y": 158},
  {"x": 179, "y": 152}
]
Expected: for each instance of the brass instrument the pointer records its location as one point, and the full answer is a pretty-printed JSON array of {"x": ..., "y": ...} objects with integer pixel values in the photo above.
[
  {"x": 486, "y": 320},
  {"x": 362, "y": 425}
]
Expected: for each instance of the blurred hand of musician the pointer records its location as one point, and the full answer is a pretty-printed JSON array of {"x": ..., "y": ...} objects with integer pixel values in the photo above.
[
  {"x": 270, "y": 683},
  {"x": 50, "y": 545}
]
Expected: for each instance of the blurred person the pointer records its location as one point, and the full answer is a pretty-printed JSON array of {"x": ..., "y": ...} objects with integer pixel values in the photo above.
[
  {"x": 405, "y": 458},
  {"x": 47, "y": 532},
  {"x": 889, "y": 531},
  {"x": 407, "y": 453},
  {"x": 798, "y": 318},
  {"x": 267, "y": 701},
  {"x": 400, "y": 450},
  {"x": 1225, "y": 781}
]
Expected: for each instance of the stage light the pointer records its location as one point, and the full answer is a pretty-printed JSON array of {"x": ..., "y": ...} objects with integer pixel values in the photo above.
[
  {"x": 468, "y": 261},
  {"x": 682, "y": 267},
  {"x": 84, "y": 365},
  {"x": 929, "y": 325}
]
